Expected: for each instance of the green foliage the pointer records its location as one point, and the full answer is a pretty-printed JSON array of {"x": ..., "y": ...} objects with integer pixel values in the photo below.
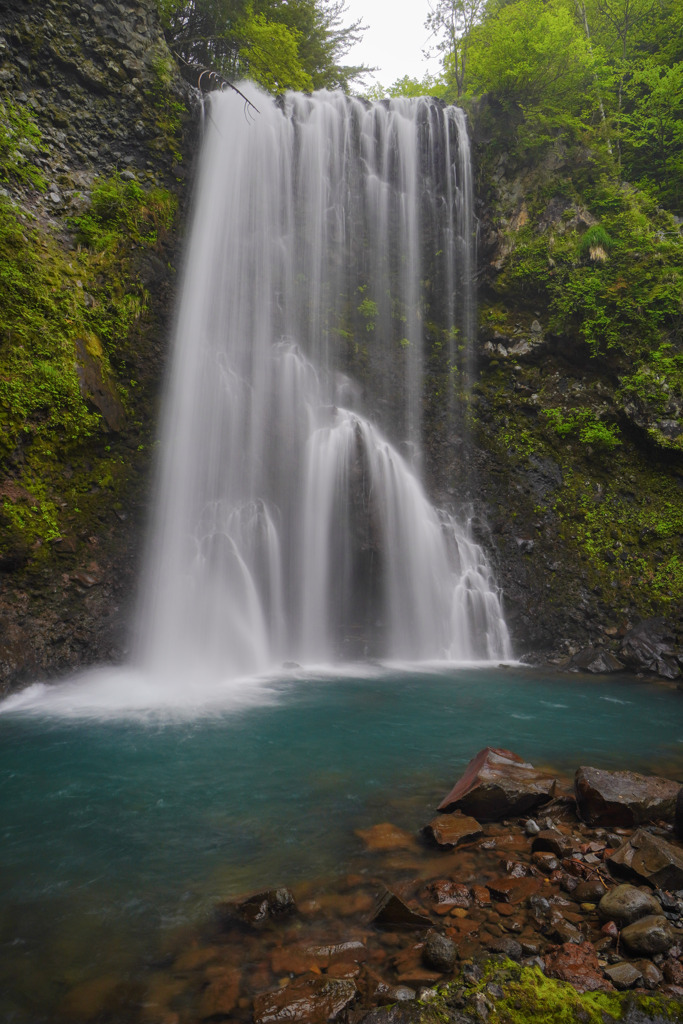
[
  {"x": 595, "y": 238},
  {"x": 627, "y": 295},
  {"x": 369, "y": 310},
  {"x": 19, "y": 138},
  {"x": 121, "y": 208},
  {"x": 281, "y": 44}
]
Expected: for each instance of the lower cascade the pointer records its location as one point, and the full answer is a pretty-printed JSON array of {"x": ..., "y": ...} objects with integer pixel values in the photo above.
[{"x": 288, "y": 525}]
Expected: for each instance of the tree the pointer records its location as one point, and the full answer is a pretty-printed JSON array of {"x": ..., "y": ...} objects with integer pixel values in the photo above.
[
  {"x": 281, "y": 44},
  {"x": 451, "y": 23},
  {"x": 533, "y": 55}
]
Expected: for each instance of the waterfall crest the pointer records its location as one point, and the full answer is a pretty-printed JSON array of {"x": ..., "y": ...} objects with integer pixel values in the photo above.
[{"x": 288, "y": 525}]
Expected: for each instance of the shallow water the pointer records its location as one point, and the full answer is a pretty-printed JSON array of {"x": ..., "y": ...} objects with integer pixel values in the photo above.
[{"x": 120, "y": 825}]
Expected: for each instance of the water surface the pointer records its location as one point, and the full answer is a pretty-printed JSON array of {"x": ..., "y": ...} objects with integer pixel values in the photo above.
[{"x": 119, "y": 826}]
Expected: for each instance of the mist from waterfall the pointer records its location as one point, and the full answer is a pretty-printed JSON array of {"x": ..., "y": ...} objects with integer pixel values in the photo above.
[{"x": 291, "y": 522}]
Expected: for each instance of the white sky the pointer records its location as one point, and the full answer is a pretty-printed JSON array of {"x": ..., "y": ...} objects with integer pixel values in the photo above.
[{"x": 394, "y": 40}]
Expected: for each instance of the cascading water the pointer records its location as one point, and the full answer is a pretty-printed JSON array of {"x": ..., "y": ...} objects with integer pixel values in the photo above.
[{"x": 288, "y": 526}]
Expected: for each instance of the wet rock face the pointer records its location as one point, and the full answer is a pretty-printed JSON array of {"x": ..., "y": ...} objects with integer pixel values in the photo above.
[
  {"x": 650, "y": 858},
  {"x": 623, "y": 798},
  {"x": 651, "y": 647},
  {"x": 498, "y": 783},
  {"x": 99, "y": 83},
  {"x": 310, "y": 1000}
]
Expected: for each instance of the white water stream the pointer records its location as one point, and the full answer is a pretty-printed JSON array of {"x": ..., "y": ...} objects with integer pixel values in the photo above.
[{"x": 288, "y": 527}]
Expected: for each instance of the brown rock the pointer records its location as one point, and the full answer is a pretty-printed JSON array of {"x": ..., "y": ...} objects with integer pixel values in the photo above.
[
  {"x": 514, "y": 890},
  {"x": 392, "y": 912},
  {"x": 498, "y": 783},
  {"x": 552, "y": 841},
  {"x": 651, "y": 858},
  {"x": 386, "y": 837},
  {"x": 445, "y": 893},
  {"x": 306, "y": 1001},
  {"x": 481, "y": 895},
  {"x": 447, "y": 830},
  {"x": 578, "y": 965},
  {"x": 623, "y": 798}
]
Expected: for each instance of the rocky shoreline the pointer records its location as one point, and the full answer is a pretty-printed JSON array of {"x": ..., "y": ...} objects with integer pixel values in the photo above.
[{"x": 525, "y": 898}]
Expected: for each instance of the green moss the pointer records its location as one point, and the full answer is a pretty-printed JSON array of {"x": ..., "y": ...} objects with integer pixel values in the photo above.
[
  {"x": 529, "y": 997},
  {"x": 63, "y": 314},
  {"x": 19, "y": 138}
]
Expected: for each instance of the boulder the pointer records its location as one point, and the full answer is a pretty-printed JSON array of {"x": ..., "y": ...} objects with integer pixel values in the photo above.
[
  {"x": 392, "y": 912},
  {"x": 578, "y": 965},
  {"x": 498, "y": 783},
  {"x": 648, "y": 936},
  {"x": 257, "y": 907},
  {"x": 448, "y": 830},
  {"x": 651, "y": 858},
  {"x": 439, "y": 953},
  {"x": 626, "y": 904},
  {"x": 651, "y": 647},
  {"x": 306, "y": 1000},
  {"x": 623, "y": 799},
  {"x": 596, "y": 660}
]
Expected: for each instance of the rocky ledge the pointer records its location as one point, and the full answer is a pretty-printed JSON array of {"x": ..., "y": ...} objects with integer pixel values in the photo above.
[{"x": 545, "y": 901}]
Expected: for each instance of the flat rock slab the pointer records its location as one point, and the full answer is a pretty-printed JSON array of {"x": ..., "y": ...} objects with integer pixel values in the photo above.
[
  {"x": 623, "y": 799},
  {"x": 514, "y": 890},
  {"x": 307, "y": 1001},
  {"x": 651, "y": 858},
  {"x": 579, "y": 966},
  {"x": 448, "y": 830},
  {"x": 497, "y": 783},
  {"x": 624, "y": 975}
]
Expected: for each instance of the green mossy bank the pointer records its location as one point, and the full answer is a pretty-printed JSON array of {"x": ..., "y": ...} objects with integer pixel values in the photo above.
[{"x": 505, "y": 993}]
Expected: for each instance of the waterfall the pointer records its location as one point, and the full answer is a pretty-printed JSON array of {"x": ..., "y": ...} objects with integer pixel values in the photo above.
[{"x": 291, "y": 520}]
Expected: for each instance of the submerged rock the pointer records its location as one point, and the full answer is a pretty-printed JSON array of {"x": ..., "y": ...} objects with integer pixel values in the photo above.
[
  {"x": 258, "y": 907},
  {"x": 392, "y": 912},
  {"x": 623, "y": 798},
  {"x": 498, "y": 783}
]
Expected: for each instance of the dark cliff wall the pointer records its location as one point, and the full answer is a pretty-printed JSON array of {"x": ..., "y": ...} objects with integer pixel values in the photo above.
[
  {"x": 576, "y": 409},
  {"x": 97, "y": 141}
]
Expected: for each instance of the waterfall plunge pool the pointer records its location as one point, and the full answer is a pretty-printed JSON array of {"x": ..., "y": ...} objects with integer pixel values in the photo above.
[{"x": 121, "y": 826}]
